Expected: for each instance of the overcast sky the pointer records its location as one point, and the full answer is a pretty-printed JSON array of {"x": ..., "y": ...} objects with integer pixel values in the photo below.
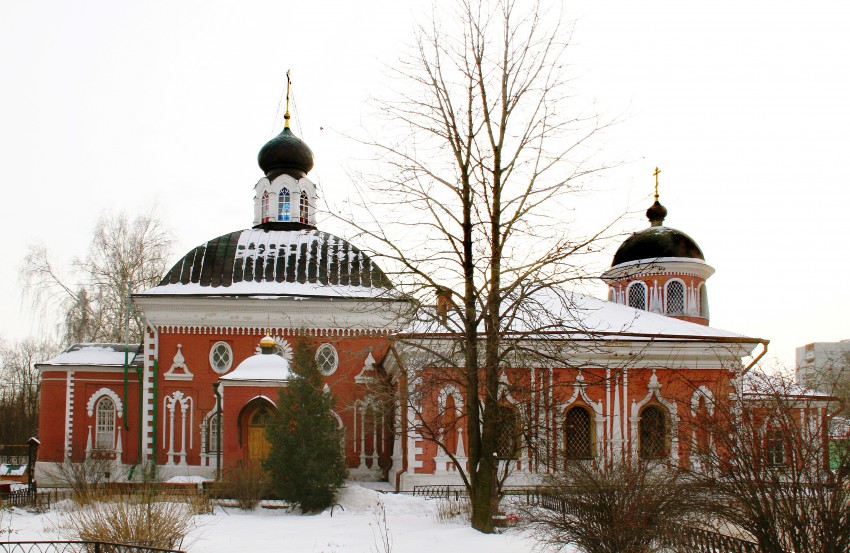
[{"x": 743, "y": 106}]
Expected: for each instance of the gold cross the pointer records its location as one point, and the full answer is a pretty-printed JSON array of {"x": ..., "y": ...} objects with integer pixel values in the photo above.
[
  {"x": 286, "y": 115},
  {"x": 657, "y": 171}
]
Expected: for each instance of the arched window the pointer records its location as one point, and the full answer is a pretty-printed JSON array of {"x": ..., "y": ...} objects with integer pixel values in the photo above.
[
  {"x": 105, "y": 424},
  {"x": 283, "y": 206},
  {"x": 652, "y": 434},
  {"x": 703, "y": 421},
  {"x": 703, "y": 301},
  {"x": 577, "y": 434},
  {"x": 675, "y": 298},
  {"x": 305, "y": 208},
  {"x": 264, "y": 207},
  {"x": 507, "y": 437},
  {"x": 212, "y": 433},
  {"x": 449, "y": 424},
  {"x": 637, "y": 295}
]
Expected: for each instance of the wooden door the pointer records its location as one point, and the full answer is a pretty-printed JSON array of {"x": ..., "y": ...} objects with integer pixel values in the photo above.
[{"x": 258, "y": 445}]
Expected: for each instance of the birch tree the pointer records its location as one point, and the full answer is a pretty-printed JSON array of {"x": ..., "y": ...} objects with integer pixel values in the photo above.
[{"x": 125, "y": 255}]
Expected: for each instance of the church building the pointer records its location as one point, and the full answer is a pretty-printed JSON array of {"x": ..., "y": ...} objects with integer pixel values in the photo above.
[{"x": 222, "y": 323}]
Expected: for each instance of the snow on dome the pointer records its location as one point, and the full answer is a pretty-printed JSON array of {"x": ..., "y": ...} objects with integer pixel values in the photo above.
[
  {"x": 261, "y": 367},
  {"x": 303, "y": 262}
]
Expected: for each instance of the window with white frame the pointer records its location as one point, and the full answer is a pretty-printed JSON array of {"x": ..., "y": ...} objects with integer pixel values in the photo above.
[
  {"x": 283, "y": 205},
  {"x": 105, "y": 424},
  {"x": 774, "y": 446},
  {"x": 703, "y": 301},
  {"x": 327, "y": 359},
  {"x": 675, "y": 298},
  {"x": 221, "y": 357},
  {"x": 305, "y": 208},
  {"x": 212, "y": 433},
  {"x": 264, "y": 207},
  {"x": 637, "y": 295}
]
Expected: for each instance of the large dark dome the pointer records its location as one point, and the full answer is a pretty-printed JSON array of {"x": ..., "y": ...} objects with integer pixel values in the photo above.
[
  {"x": 655, "y": 242},
  {"x": 275, "y": 262},
  {"x": 285, "y": 153}
]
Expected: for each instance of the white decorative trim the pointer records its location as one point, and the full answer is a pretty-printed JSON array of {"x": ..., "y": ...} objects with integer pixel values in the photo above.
[
  {"x": 105, "y": 392},
  {"x": 228, "y": 365},
  {"x": 367, "y": 373},
  {"x": 327, "y": 346},
  {"x": 599, "y": 419},
  {"x": 645, "y": 294},
  {"x": 170, "y": 405},
  {"x": 281, "y": 347},
  {"x": 179, "y": 364},
  {"x": 686, "y": 300},
  {"x": 702, "y": 392},
  {"x": 69, "y": 413},
  {"x": 442, "y": 459},
  {"x": 654, "y": 390}
]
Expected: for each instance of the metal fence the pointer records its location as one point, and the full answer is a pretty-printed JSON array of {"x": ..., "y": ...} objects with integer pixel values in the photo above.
[{"x": 77, "y": 547}]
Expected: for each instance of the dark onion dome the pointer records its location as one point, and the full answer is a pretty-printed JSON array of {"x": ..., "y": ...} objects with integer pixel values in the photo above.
[
  {"x": 657, "y": 241},
  {"x": 258, "y": 261},
  {"x": 285, "y": 153}
]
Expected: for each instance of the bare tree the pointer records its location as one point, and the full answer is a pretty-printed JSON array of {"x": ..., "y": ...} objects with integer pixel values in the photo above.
[
  {"x": 472, "y": 202},
  {"x": 124, "y": 255},
  {"x": 772, "y": 478},
  {"x": 19, "y": 388}
]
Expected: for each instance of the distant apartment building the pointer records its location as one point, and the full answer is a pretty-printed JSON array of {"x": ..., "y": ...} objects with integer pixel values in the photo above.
[{"x": 820, "y": 365}]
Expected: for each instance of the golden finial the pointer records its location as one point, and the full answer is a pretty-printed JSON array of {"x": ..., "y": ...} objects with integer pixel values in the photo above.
[
  {"x": 657, "y": 171},
  {"x": 286, "y": 114}
]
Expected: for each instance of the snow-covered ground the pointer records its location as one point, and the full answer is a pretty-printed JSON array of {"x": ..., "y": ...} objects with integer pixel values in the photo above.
[{"x": 412, "y": 522}]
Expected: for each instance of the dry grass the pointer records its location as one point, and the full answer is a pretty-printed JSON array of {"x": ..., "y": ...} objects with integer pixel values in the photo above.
[
  {"x": 144, "y": 519},
  {"x": 248, "y": 485},
  {"x": 449, "y": 509}
]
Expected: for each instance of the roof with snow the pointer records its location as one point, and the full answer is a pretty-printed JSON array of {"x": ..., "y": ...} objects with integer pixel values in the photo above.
[
  {"x": 97, "y": 354},
  {"x": 302, "y": 262},
  {"x": 261, "y": 367},
  {"x": 553, "y": 311}
]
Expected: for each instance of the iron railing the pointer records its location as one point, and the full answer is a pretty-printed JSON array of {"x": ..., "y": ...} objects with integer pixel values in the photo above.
[{"x": 78, "y": 547}]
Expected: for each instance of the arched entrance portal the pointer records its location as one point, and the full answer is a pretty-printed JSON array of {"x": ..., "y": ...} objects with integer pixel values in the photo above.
[{"x": 254, "y": 418}]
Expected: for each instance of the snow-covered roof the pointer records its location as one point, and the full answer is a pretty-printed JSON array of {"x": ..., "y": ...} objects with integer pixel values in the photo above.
[
  {"x": 95, "y": 354},
  {"x": 553, "y": 311},
  {"x": 261, "y": 367},
  {"x": 303, "y": 262}
]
